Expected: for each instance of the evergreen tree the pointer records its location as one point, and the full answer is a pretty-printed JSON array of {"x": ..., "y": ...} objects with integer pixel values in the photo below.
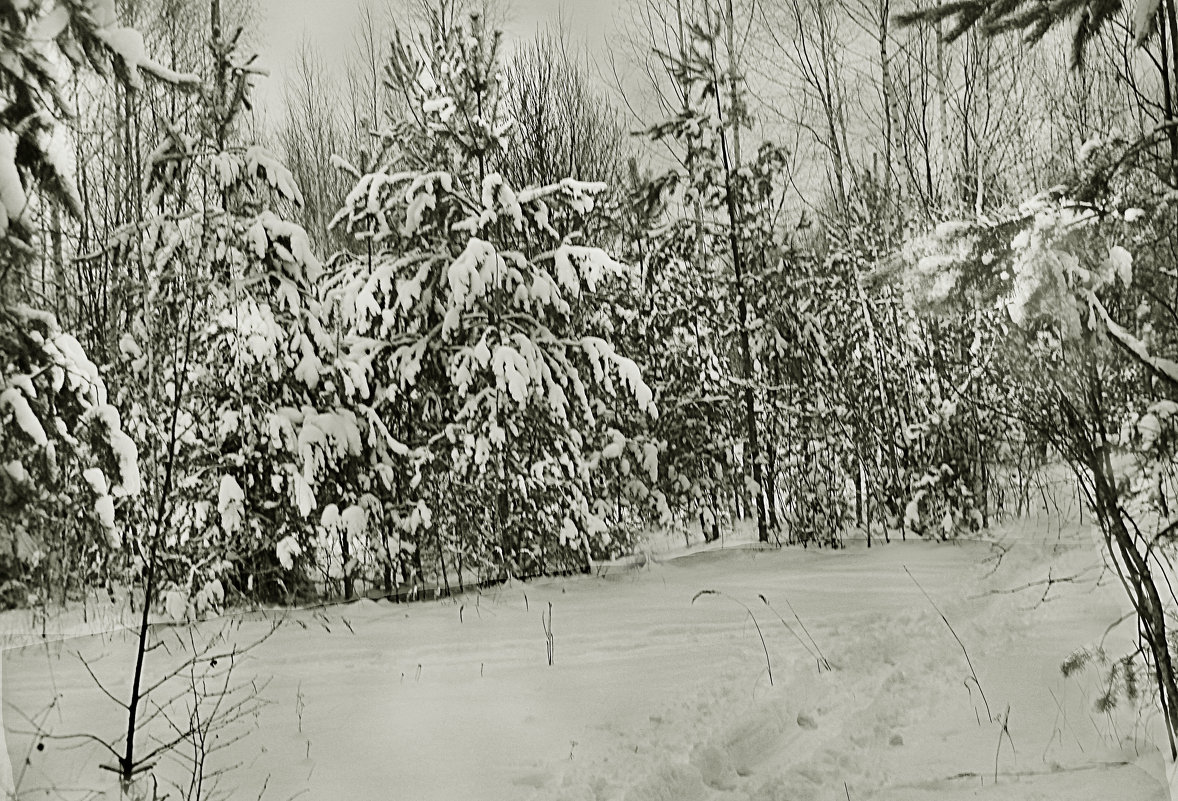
[{"x": 468, "y": 303}]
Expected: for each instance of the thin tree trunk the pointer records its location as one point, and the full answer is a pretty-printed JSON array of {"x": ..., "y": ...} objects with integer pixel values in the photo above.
[
  {"x": 1169, "y": 31},
  {"x": 886, "y": 91},
  {"x": 731, "y": 164},
  {"x": 1144, "y": 594},
  {"x": 942, "y": 94}
]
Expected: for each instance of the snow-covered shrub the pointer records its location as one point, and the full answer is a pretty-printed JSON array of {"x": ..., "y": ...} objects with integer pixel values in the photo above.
[
  {"x": 67, "y": 467},
  {"x": 65, "y": 461},
  {"x": 672, "y": 320},
  {"x": 889, "y": 423}
]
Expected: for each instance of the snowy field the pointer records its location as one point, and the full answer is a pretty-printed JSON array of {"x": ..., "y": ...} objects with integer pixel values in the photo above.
[{"x": 651, "y": 696}]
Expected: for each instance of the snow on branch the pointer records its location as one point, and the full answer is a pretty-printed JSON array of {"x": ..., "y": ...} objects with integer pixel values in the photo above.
[{"x": 1164, "y": 368}]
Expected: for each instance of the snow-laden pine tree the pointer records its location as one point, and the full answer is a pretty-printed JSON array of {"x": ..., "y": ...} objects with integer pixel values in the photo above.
[
  {"x": 462, "y": 304},
  {"x": 227, "y": 372}
]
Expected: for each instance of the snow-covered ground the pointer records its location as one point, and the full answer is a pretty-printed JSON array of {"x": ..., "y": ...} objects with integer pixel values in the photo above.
[{"x": 652, "y": 696}]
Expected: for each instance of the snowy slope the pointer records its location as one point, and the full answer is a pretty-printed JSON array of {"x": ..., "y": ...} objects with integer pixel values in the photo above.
[{"x": 652, "y": 696}]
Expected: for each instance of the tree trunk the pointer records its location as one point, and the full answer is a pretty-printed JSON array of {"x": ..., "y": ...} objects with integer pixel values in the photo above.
[
  {"x": 888, "y": 102},
  {"x": 1170, "y": 82},
  {"x": 1143, "y": 592},
  {"x": 1133, "y": 567},
  {"x": 346, "y": 554},
  {"x": 731, "y": 164},
  {"x": 942, "y": 94}
]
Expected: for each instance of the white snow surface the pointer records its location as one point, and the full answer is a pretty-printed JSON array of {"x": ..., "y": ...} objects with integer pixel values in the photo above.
[{"x": 652, "y": 696}]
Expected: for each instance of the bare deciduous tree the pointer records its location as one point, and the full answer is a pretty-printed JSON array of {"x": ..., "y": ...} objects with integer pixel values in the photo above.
[{"x": 564, "y": 126}]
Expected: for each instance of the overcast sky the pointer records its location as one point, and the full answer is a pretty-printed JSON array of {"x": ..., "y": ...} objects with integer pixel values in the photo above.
[{"x": 329, "y": 26}]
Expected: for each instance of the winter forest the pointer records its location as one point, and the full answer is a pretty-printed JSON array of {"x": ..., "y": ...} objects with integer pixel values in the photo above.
[{"x": 762, "y": 400}]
